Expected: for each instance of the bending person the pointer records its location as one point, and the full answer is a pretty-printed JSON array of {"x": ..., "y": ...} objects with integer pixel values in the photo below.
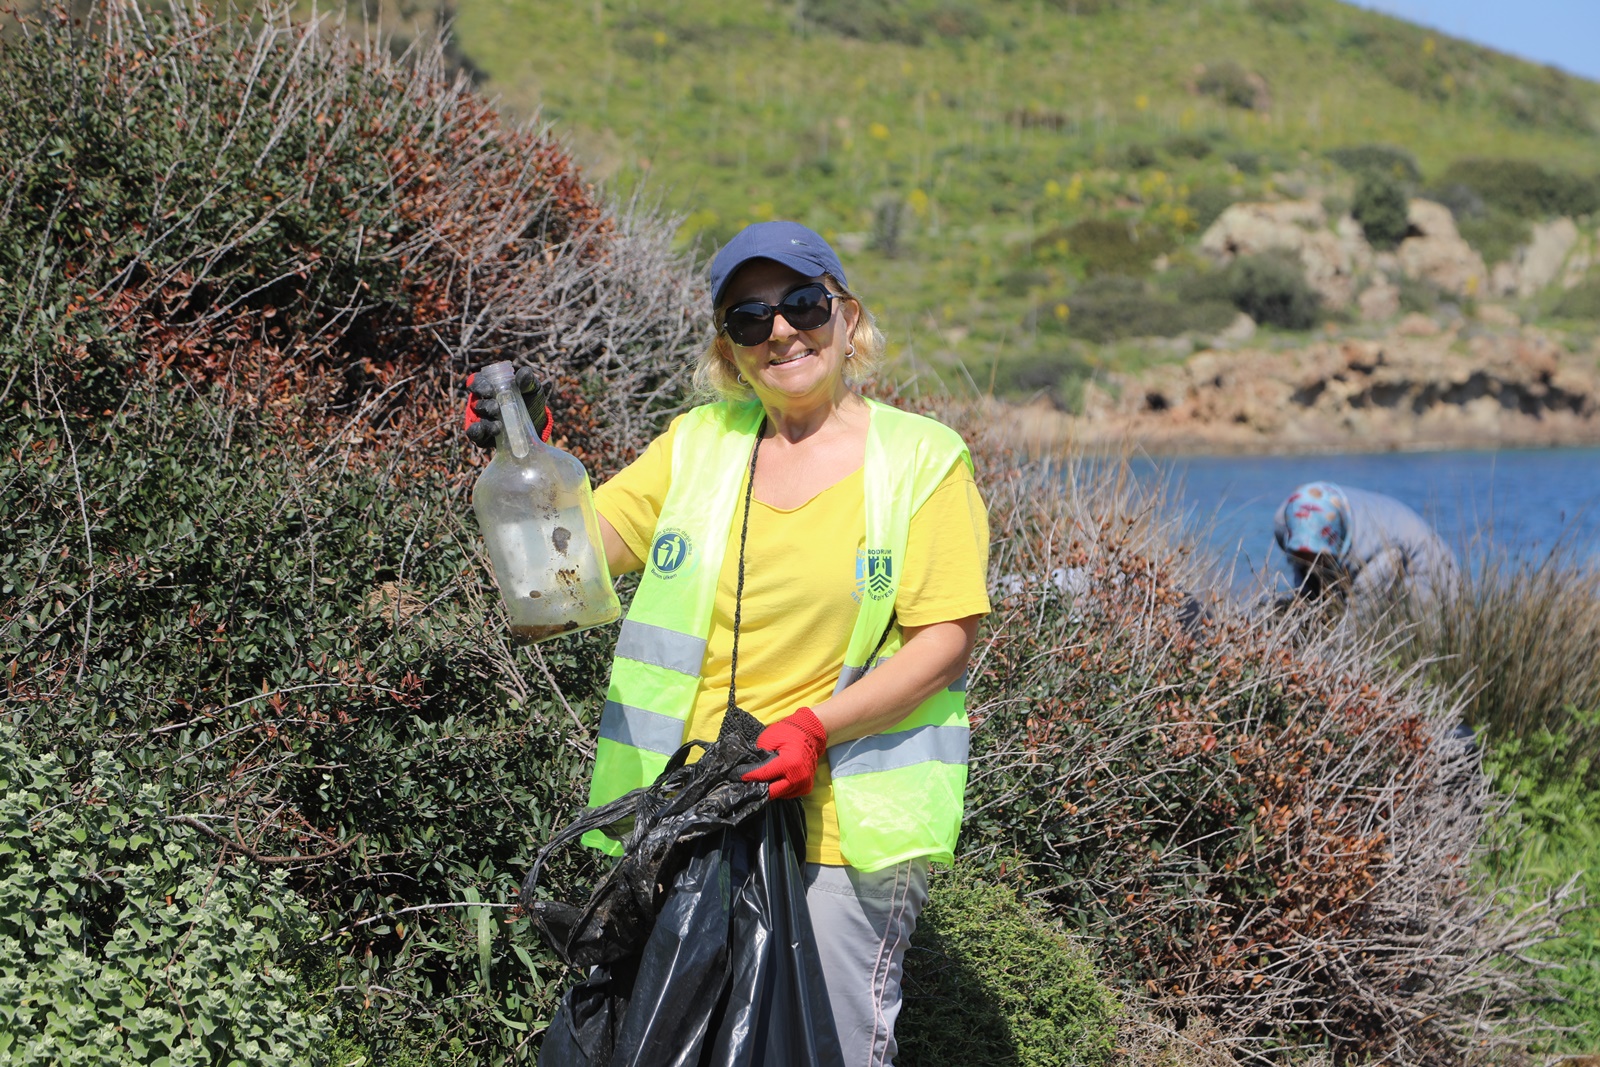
[
  {"x": 841, "y": 547},
  {"x": 1368, "y": 545}
]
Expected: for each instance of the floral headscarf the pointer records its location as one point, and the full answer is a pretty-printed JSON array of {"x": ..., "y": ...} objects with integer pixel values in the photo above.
[{"x": 1317, "y": 520}]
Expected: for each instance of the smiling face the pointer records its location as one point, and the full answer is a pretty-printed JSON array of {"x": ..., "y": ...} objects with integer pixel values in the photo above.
[{"x": 792, "y": 366}]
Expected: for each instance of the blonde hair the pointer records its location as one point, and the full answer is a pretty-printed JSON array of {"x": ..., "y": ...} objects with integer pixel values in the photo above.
[{"x": 716, "y": 377}]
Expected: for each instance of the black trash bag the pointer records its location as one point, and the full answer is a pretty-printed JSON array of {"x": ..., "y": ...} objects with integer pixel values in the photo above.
[{"x": 698, "y": 940}]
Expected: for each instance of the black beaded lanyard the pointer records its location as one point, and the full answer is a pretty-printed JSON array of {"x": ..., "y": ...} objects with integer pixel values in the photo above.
[{"x": 738, "y": 592}]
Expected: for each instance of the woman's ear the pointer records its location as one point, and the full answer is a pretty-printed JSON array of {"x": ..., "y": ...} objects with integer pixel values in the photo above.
[{"x": 852, "y": 316}]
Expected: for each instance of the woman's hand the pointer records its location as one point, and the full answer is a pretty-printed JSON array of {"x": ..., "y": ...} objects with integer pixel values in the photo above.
[
  {"x": 797, "y": 744},
  {"x": 481, "y": 419}
]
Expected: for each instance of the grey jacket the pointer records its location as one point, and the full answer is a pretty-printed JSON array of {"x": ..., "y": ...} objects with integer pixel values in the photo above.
[{"x": 1389, "y": 544}]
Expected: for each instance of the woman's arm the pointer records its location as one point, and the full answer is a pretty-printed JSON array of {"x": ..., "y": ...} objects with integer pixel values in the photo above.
[
  {"x": 619, "y": 557},
  {"x": 932, "y": 657}
]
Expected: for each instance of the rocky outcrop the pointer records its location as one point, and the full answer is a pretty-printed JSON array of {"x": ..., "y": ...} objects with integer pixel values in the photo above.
[
  {"x": 1398, "y": 392},
  {"x": 1436, "y": 252},
  {"x": 1331, "y": 260},
  {"x": 1539, "y": 263}
]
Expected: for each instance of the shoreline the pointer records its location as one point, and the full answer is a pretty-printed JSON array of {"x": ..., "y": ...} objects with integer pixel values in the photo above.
[{"x": 1450, "y": 391}]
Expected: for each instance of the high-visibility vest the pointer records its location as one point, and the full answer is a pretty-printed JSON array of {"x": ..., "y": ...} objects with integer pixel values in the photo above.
[{"x": 899, "y": 793}]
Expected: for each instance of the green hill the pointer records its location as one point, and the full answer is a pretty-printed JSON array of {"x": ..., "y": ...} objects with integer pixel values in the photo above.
[{"x": 949, "y": 146}]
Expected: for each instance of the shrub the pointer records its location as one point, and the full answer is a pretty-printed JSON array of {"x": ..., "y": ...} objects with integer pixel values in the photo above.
[
  {"x": 1286, "y": 12},
  {"x": 1547, "y": 97},
  {"x": 1521, "y": 638},
  {"x": 1433, "y": 66},
  {"x": 236, "y": 351},
  {"x": 1462, "y": 201},
  {"x": 1271, "y": 288},
  {"x": 1188, "y": 146},
  {"x": 1495, "y": 234},
  {"x": 1548, "y": 838},
  {"x": 1140, "y": 156},
  {"x": 123, "y": 941},
  {"x": 1419, "y": 295},
  {"x": 1581, "y": 302},
  {"x": 1524, "y": 188},
  {"x": 1112, "y": 307},
  {"x": 1208, "y": 202},
  {"x": 1383, "y": 159},
  {"x": 1111, "y": 246},
  {"x": 1248, "y": 162},
  {"x": 1317, "y": 879},
  {"x": 991, "y": 979},
  {"x": 895, "y": 20},
  {"x": 1230, "y": 84},
  {"x": 1381, "y": 207}
]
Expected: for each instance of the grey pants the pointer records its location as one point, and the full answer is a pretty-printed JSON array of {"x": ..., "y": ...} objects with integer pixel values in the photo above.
[{"x": 863, "y": 923}]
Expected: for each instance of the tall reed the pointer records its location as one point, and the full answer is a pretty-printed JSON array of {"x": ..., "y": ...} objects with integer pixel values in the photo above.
[{"x": 1519, "y": 638}]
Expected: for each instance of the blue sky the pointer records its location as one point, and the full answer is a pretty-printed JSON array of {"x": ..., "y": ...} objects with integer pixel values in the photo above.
[{"x": 1562, "y": 33}]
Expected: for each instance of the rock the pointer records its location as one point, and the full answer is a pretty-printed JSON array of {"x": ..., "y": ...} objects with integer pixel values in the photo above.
[
  {"x": 1505, "y": 279},
  {"x": 1380, "y": 301},
  {"x": 1582, "y": 259},
  {"x": 1538, "y": 263},
  {"x": 1238, "y": 332},
  {"x": 1498, "y": 315},
  {"x": 1518, "y": 388},
  {"x": 1417, "y": 325},
  {"x": 1546, "y": 254},
  {"x": 1437, "y": 253},
  {"x": 1330, "y": 260}
]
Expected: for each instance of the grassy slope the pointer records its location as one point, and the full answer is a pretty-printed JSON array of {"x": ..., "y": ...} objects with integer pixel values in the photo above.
[{"x": 733, "y": 113}]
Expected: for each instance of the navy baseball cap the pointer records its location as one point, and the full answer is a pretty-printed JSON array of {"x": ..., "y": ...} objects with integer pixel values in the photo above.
[{"x": 789, "y": 243}]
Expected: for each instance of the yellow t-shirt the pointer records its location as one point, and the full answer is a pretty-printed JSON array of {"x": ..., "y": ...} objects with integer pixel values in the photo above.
[{"x": 801, "y": 594}]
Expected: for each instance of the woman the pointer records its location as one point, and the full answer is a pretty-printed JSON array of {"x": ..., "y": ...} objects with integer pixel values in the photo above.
[
  {"x": 1365, "y": 543},
  {"x": 844, "y": 546}
]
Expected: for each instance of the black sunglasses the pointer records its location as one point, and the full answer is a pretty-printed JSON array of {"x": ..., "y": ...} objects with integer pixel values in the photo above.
[{"x": 805, "y": 307}]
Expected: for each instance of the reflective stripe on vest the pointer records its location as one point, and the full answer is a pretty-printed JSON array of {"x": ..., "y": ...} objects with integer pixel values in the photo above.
[
  {"x": 898, "y": 794},
  {"x": 661, "y": 647}
]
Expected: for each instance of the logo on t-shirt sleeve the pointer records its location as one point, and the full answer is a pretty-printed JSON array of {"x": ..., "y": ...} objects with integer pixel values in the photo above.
[
  {"x": 874, "y": 573},
  {"x": 669, "y": 552}
]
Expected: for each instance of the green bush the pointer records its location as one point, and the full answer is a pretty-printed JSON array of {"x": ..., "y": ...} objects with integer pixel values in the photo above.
[
  {"x": 1208, "y": 202},
  {"x": 1248, "y": 162},
  {"x": 1381, "y": 207},
  {"x": 1188, "y": 146},
  {"x": 1549, "y": 838},
  {"x": 1229, "y": 83},
  {"x": 237, "y": 549},
  {"x": 1316, "y": 882},
  {"x": 1377, "y": 158},
  {"x": 1139, "y": 156},
  {"x": 899, "y": 21},
  {"x": 1113, "y": 307},
  {"x": 1110, "y": 246},
  {"x": 991, "y": 980},
  {"x": 1581, "y": 302},
  {"x": 1496, "y": 234},
  {"x": 1271, "y": 288},
  {"x": 1287, "y": 12},
  {"x": 1524, "y": 188},
  {"x": 124, "y": 940}
]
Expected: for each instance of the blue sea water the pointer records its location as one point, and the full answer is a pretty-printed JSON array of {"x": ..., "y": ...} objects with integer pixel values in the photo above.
[{"x": 1529, "y": 502}]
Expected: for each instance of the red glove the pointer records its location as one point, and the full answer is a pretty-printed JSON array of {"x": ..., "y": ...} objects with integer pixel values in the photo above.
[{"x": 799, "y": 742}]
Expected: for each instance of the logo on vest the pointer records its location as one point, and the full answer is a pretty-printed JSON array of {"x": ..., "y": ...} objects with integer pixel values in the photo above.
[
  {"x": 874, "y": 573},
  {"x": 669, "y": 552}
]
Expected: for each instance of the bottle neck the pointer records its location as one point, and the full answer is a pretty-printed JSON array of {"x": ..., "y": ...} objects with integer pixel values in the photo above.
[{"x": 516, "y": 433}]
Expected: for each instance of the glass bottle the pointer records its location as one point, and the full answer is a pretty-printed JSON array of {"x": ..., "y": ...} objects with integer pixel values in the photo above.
[{"x": 536, "y": 511}]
